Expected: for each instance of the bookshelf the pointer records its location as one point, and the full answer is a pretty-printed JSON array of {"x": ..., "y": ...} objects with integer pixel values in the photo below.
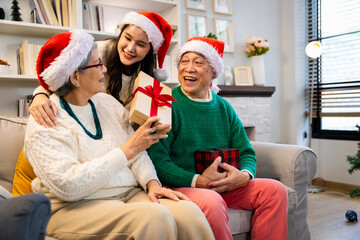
[{"x": 14, "y": 86}]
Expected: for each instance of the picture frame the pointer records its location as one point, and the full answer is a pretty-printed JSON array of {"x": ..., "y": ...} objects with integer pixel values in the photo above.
[
  {"x": 196, "y": 25},
  {"x": 224, "y": 31},
  {"x": 199, "y": 5},
  {"x": 243, "y": 76},
  {"x": 222, "y": 7}
]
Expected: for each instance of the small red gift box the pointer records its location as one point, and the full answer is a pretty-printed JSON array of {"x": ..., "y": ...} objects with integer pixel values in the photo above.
[
  {"x": 150, "y": 98},
  {"x": 204, "y": 158}
]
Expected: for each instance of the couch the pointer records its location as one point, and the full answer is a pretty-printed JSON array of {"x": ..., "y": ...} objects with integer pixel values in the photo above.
[{"x": 293, "y": 165}]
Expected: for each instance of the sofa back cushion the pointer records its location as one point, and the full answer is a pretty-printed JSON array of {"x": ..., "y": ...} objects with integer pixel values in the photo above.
[{"x": 12, "y": 132}]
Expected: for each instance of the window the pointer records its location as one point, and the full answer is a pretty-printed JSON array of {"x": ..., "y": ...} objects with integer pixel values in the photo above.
[{"x": 333, "y": 79}]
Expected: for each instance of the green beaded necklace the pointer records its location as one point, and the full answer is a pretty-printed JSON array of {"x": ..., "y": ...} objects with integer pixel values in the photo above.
[{"x": 68, "y": 109}]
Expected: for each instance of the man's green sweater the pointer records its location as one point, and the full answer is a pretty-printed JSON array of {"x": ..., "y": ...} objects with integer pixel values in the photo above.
[{"x": 198, "y": 126}]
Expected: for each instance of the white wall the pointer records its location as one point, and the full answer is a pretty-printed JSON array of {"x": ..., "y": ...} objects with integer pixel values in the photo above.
[
  {"x": 332, "y": 163},
  {"x": 282, "y": 23}
]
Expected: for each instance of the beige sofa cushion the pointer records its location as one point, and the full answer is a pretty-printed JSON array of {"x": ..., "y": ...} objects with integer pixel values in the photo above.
[{"x": 12, "y": 130}]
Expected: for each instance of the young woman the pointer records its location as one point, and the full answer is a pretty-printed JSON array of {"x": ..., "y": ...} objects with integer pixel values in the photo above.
[
  {"x": 93, "y": 166},
  {"x": 144, "y": 37},
  {"x": 202, "y": 120}
]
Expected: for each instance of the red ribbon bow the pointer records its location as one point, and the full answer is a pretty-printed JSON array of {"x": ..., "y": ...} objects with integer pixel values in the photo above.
[{"x": 158, "y": 100}]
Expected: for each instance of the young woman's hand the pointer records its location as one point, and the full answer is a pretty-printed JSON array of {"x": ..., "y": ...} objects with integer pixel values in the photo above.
[
  {"x": 43, "y": 111},
  {"x": 155, "y": 191},
  {"x": 144, "y": 137}
]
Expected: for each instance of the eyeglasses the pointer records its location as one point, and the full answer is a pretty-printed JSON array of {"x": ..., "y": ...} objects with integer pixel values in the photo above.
[{"x": 100, "y": 64}]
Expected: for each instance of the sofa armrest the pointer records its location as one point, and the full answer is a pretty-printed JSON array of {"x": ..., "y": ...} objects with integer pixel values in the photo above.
[
  {"x": 294, "y": 165},
  {"x": 24, "y": 216}
]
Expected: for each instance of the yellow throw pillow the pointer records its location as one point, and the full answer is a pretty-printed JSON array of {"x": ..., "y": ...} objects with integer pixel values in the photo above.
[{"x": 23, "y": 176}]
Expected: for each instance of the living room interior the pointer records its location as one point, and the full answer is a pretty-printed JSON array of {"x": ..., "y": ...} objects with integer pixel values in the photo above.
[{"x": 276, "y": 117}]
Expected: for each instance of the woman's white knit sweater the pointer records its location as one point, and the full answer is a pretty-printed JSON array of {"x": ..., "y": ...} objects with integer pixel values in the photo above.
[{"x": 71, "y": 166}]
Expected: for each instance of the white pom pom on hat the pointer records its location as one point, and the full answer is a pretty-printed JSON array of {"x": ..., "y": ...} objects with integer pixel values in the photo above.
[
  {"x": 159, "y": 33},
  {"x": 60, "y": 56}
]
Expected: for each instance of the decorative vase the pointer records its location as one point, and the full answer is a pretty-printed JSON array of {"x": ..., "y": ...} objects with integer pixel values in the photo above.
[
  {"x": 258, "y": 69},
  {"x": 228, "y": 77}
]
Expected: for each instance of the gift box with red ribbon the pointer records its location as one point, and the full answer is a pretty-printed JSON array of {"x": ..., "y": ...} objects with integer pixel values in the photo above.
[
  {"x": 150, "y": 98},
  {"x": 204, "y": 158}
]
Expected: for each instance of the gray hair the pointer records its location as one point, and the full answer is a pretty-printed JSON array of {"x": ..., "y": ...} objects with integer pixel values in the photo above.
[{"x": 68, "y": 86}]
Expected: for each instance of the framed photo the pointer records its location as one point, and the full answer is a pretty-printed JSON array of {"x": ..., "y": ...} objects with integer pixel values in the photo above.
[
  {"x": 196, "y": 25},
  {"x": 222, "y": 6},
  {"x": 196, "y": 4},
  {"x": 243, "y": 76},
  {"x": 224, "y": 31}
]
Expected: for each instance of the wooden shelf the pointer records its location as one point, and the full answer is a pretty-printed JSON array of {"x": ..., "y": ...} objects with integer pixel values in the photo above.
[
  {"x": 246, "y": 91},
  {"x": 17, "y": 78},
  {"x": 43, "y": 30}
]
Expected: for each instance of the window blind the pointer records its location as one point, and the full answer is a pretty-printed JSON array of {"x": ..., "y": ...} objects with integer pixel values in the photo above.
[{"x": 333, "y": 80}]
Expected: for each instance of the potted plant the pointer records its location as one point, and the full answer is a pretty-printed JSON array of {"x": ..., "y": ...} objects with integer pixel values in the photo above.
[{"x": 354, "y": 162}]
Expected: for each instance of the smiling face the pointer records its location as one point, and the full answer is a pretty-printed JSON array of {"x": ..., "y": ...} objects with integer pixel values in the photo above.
[
  {"x": 133, "y": 45},
  {"x": 195, "y": 74},
  {"x": 91, "y": 80}
]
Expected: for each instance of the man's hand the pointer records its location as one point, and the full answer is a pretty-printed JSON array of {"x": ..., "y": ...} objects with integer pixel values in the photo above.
[
  {"x": 210, "y": 175},
  {"x": 234, "y": 180}
]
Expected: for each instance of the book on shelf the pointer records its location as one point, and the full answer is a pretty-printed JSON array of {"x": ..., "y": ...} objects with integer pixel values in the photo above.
[
  {"x": 23, "y": 106},
  {"x": 36, "y": 15},
  {"x": 97, "y": 16},
  {"x": 86, "y": 16},
  {"x": 47, "y": 13},
  {"x": 55, "y": 12},
  {"x": 52, "y": 13},
  {"x": 71, "y": 4},
  {"x": 28, "y": 55},
  {"x": 101, "y": 17},
  {"x": 93, "y": 17},
  {"x": 57, "y": 7},
  {"x": 18, "y": 61},
  {"x": 65, "y": 13},
  {"x": 41, "y": 10}
]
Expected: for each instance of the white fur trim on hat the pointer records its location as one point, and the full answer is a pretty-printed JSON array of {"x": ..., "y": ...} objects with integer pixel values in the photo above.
[
  {"x": 208, "y": 51},
  {"x": 59, "y": 71},
  {"x": 154, "y": 34}
]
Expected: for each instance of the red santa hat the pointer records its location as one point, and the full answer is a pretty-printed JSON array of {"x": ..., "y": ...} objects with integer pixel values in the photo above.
[
  {"x": 211, "y": 49},
  {"x": 60, "y": 56},
  {"x": 159, "y": 33}
]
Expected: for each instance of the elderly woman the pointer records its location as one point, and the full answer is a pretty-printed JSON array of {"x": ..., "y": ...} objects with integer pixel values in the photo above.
[
  {"x": 94, "y": 168},
  {"x": 202, "y": 120}
]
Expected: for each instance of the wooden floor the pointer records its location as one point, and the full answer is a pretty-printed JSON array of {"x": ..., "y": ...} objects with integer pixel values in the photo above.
[{"x": 326, "y": 216}]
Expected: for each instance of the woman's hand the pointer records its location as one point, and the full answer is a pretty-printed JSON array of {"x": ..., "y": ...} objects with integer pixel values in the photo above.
[
  {"x": 234, "y": 179},
  {"x": 210, "y": 175},
  {"x": 144, "y": 137},
  {"x": 155, "y": 191},
  {"x": 43, "y": 111}
]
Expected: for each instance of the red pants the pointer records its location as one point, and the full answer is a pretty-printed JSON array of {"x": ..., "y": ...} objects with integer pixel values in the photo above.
[{"x": 267, "y": 197}]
